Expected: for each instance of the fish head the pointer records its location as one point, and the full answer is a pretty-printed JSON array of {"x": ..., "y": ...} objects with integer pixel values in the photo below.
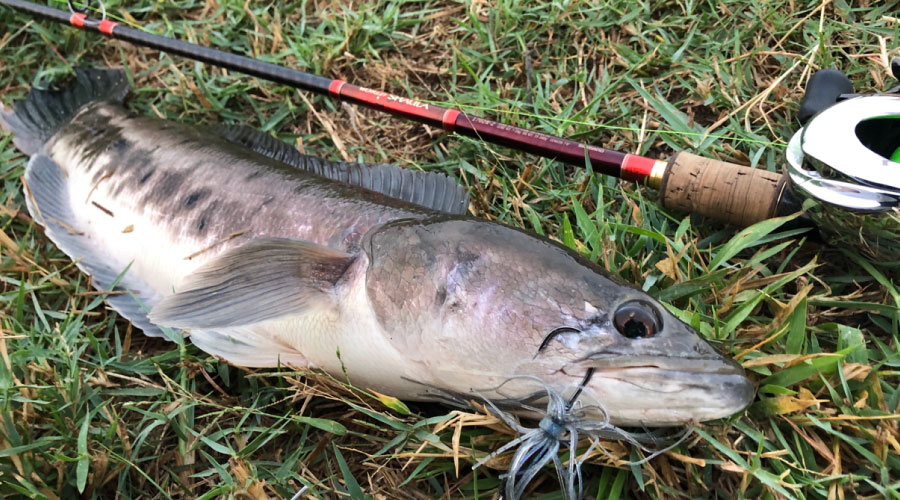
[{"x": 483, "y": 309}]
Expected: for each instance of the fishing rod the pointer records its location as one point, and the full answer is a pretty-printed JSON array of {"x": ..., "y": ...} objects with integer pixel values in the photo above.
[{"x": 850, "y": 205}]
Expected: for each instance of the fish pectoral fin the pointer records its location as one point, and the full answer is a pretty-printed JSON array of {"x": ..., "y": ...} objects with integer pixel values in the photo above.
[
  {"x": 262, "y": 280},
  {"x": 245, "y": 346}
]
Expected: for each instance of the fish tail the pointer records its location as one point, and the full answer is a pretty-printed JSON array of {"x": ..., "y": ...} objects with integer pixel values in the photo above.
[{"x": 34, "y": 119}]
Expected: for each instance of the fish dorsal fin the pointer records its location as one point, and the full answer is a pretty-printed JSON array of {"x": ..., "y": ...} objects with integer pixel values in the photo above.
[
  {"x": 428, "y": 189},
  {"x": 259, "y": 281}
]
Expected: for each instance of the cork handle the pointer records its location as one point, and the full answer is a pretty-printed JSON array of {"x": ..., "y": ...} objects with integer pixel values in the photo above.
[{"x": 721, "y": 190}]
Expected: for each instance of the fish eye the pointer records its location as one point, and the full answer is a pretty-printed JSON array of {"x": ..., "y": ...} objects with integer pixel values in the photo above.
[{"x": 637, "y": 320}]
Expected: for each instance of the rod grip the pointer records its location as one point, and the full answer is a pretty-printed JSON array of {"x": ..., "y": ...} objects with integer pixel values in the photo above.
[{"x": 720, "y": 190}]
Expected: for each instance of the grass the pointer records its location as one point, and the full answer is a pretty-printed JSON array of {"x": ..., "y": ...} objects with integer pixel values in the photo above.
[{"x": 88, "y": 405}]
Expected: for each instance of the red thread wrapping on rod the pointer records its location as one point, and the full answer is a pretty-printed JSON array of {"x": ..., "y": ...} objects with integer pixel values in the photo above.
[
  {"x": 636, "y": 168},
  {"x": 334, "y": 88},
  {"x": 106, "y": 27},
  {"x": 77, "y": 19},
  {"x": 449, "y": 119}
]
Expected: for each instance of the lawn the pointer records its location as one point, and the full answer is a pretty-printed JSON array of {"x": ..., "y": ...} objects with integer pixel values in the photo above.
[{"x": 88, "y": 404}]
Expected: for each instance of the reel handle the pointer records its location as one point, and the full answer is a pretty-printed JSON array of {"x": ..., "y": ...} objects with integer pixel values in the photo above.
[
  {"x": 824, "y": 89},
  {"x": 721, "y": 190}
]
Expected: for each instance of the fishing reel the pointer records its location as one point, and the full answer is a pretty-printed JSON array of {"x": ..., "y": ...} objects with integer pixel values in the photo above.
[{"x": 844, "y": 164}]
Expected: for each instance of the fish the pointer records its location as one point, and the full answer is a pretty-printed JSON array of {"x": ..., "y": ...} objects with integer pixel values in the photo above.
[{"x": 266, "y": 257}]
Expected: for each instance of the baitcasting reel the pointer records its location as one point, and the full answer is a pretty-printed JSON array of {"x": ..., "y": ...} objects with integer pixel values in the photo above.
[{"x": 844, "y": 164}]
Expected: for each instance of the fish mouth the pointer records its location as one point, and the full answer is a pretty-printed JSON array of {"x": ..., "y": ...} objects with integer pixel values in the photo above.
[
  {"x": 605, "y": 361},
  {"x": 664, "y": 390}
]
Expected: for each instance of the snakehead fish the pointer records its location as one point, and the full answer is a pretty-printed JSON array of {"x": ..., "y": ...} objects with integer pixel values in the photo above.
[{"x": 268, "y": 257}]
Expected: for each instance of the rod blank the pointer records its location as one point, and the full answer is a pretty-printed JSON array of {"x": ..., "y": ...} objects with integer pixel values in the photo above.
[{"x": 627, "y": 166}]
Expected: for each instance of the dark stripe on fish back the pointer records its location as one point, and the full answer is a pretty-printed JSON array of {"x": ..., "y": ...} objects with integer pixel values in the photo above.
[
  {"x": 191, "y": 200},
  {"x": 199, "y": 185}
]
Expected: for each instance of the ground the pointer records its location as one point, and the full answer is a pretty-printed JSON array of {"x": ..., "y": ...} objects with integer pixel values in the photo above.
[{"x": 89, "y": 405}]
